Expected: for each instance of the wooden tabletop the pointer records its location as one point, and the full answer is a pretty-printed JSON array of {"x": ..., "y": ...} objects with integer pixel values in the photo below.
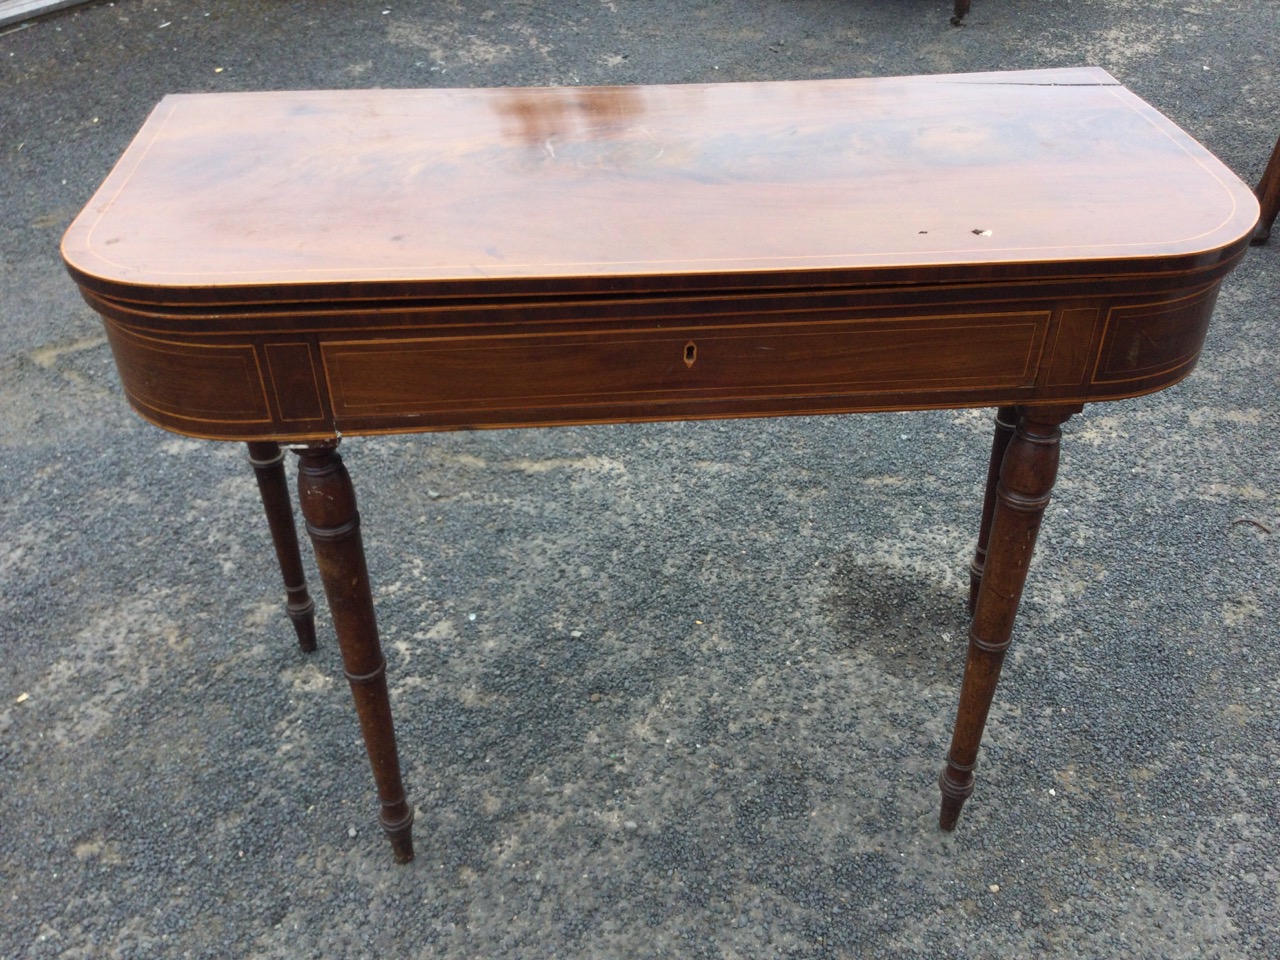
[{"x": 295, "y": 195}]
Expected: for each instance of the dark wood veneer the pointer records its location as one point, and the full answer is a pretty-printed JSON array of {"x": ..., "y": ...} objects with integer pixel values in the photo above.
[
  {"x": 317, "y": 373},
  {"x": 296, "y": 266}
]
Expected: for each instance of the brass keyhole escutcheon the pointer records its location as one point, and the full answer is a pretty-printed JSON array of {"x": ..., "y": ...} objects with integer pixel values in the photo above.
[{"x": 690, "y": 353}]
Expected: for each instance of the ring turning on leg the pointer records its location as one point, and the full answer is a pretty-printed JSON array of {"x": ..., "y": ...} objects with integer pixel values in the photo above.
[
  {"x": 329, "y": 506},
  {"x": 268, "y": 465},
  {"x": 1027, "y": 473},
  {"x": 1006, "y": 420}
]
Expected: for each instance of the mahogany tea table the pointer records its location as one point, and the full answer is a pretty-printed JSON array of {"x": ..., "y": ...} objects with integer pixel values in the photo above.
[{"x": 290, "y": 268}]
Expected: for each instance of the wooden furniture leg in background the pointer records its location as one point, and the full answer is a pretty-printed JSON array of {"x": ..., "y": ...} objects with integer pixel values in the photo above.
[
  {"x": 1022, "y": 493},
  {"x": 1006, "y": 420},
  {"x": 959, "y": 11},
  {"x": 268, "y": 465},
  {"x": 329, "y": 505},
  {"x": 1268, "y": 196}
]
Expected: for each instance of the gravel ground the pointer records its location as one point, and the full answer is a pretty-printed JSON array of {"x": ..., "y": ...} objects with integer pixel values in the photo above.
[{"x": 676, "y": 690}]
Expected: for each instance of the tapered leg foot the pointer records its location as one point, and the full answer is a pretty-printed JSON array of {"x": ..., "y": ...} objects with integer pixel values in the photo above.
[
  {"x": 1006, "y": 419},
  {"x": 400, "y": 833},
  {"x": 329, "y": 506},
  {"x": 268, "y": 466},
  {"x": 959, "y": 11},
  {"x": 954, "y": 795},
  {"x": 1026, "y": 478}
]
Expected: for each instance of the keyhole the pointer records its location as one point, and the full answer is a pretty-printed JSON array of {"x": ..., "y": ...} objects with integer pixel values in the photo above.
[{"x": 690, "y": 353}]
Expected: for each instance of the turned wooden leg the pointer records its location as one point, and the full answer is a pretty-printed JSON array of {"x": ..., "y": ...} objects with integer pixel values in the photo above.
[
  {"x": 329, "y": 506},
  {"x": 1026, "y": 479},
  {"x": 959, "y": 11},
  {"x": 1268, "y": 196},
  {"x": 1006, "y": 420},
  {"x": 268, "y": 465}
]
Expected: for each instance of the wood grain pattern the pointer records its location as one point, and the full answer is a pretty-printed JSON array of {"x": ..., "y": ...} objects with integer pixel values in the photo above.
[
  {"x": 295, "y": 385},
  {"x": 1152, "y": 339},
  {"x": 192, "y": 386},
  {"x": 501, "y": 365},
  {"x": 239, "y": 194},
  {"x": 814, "y": 358},
  {"x": 288, "y": 266}
]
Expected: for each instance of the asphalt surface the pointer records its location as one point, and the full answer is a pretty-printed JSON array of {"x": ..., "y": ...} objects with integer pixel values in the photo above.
[{"x": 673, "y": 690}]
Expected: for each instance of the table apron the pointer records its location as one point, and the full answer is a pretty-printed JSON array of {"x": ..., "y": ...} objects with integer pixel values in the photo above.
[{"x": 328, "y": 373}]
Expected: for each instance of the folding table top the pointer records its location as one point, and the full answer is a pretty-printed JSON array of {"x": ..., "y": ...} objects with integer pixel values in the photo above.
[{"x": 294, "y": 196}]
